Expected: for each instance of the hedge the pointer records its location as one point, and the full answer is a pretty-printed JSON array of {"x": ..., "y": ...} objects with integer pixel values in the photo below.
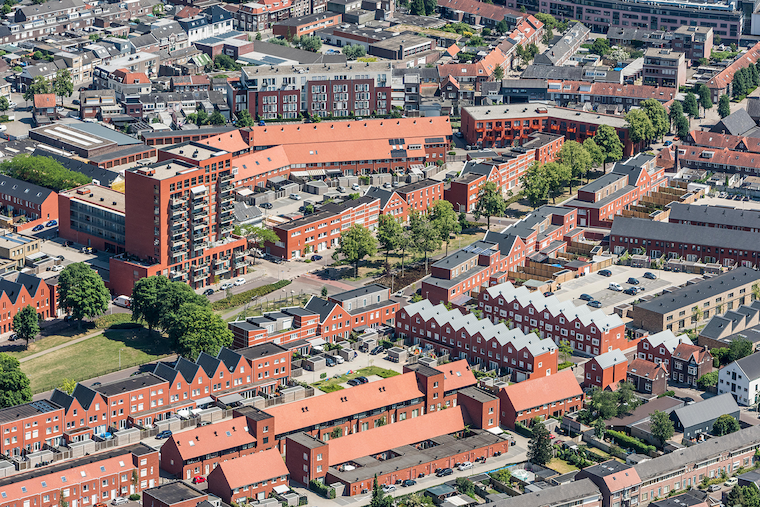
[
  {"x": 322, "y": 489},
  {"x": 523, "y": 430},
  {"x": 244, "y": 297},
  {"x": 627, "y": 442}
]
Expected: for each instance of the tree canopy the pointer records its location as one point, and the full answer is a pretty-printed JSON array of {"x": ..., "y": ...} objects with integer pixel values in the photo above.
[
  {"x": 356, "y": 244},
  {"x": 82, "y": 292},
  {"x": 244, "y": 119},
  {"x": 607, "y": 139},
  {"x": 224, "y": 62},
  {"x": 540, "y": 445},
  {"x": 38, "y": 86},
  {"x": 195, "y": 329},
  {"x": 575, "y": 156},
  {"x": 43, "y": 171},
  {"x": 63, "y": 85},
  {"x": 354, "y": 51},
  {"x": 640, "y": 128},
  {"x": 724, "y": 106},
  {"x": 535, "y": 184},
  {"x": 147, "y": 299},
  {"x": 26, "y": 323},
  {"x": 388, "y": 234},
  {"x": 661, "y": 426},
  {"x": 426, "y": 236},
  {"x": 724, "y": 425},
  {"x": 657, "y": 115},
  {"x": 490, "y": 203},
  {"x": 445, "y": 221},
  {"x": 690, "y": 105},
  {"x": 14, "y": 384}
]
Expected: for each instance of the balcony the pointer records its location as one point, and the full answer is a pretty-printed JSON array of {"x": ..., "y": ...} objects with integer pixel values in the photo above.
[
  {"x": 177, "y": 201},
  {"x": 177, "y": 213},
  {"x": 177, "y": 243}
]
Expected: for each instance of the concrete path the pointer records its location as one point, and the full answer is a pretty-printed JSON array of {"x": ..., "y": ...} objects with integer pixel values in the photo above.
[{"x": 61, "y": 346}]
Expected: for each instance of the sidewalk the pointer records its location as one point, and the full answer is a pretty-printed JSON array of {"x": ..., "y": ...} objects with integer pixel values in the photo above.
[{"x": 61, "y": 346}]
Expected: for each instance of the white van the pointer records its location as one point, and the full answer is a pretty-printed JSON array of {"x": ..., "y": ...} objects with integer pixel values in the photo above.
[
  {"x": 123, "y": 301},
  {"x": 615, "y": 286}
]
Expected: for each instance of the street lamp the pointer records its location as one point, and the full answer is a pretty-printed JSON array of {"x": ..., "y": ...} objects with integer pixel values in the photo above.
[
  {"x": 292, "y": 297},
  {"x": 120, "y": 358}
]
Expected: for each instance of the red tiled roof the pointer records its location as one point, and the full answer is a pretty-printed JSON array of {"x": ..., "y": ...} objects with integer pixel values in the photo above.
[
  {"x": 644, "y": 368},
  {"x": 665, "y": 158},
  {"x": 256, "y": 163},
  {"x": 718, "y": 156},
  {"x": 229, "y": 141},
  {"x": 456, "y": 375},
  {"x": 720, "y": 141},
  {"x": 543, "y": 390},
  {"x": 212, "y": 438},
  {"x": 346, "y": 402},
  {"x": 724, "y": 78},
  {"x": 131, "y": 77},
  {"x": 44, "y": 100},
  {"x": 409, "y": 431},
  {"x": 187, "y": 12},
  {"x": 622, "y": 480},
  {"x": 687, "y": 352},
  {"x": 453, "y": 50},
  {"x": 476, "y": 8},
  {"x": 253, "y": 468}
]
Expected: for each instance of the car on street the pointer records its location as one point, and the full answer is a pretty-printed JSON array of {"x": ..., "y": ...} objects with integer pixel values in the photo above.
[
  {"x": 615, "y": 286},
  {"x": 316, "y": 257},
  {"x": 240, "y": 281},
  {"x": 38, "y": 228},
  {"x": 355, "y": 186},
  {"x": 713, "y": 488},
  {"x": 208, "y": 292},
  {"x": 458, "y": 134},
  {"x": 198, "y": 479},
  {"x": 605, "y": 272},
  {"x": 353, "y": 382},
  {"x": 733, "y": 481},
  {"x": 330, "y": 361},
  {"x": 51, "y": 223},
  {"x": 226, "y": 285},
  {"x": 341, "y": 189},
  {"x": 548, "y": 293},
  {"x": 586, "y": 297},
  {"x": 266, "y": 205},
  {"x": 633, "y": 281},
  {"x": 164, "y": 434},
  {"x": 650, "y": 276},
  {"x": 56, "y": 268},
  {"x": 396, "y": 184},
  {"x": 594, "y": 304},
  {"x": 339, "y": 359},
  {"x": 3, "y": 128},
  {"x": 387, "y": 488},
  {"x": 75, "y": 102},
  {"x": 295, "y": 197},
  {"x": 631, "y": 291},
  {"x": 377, "y": 350},
  {"x": 119, "y": 500},
  {"x": 408, "y": 482},
  {"x": 387, "y": 184},
  {"x": 668, "y": 143},
  {"x": 465, "y": 466},
  {"x": 13, "y": 337},
  {"x": 11, "y": 104},
  {"x": 444, "y": 472}
]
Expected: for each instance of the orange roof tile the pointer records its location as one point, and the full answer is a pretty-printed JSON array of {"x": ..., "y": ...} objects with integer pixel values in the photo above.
[
  {"x": 253, "y": 468},
  {"x": 257, "y": 163},
  {"x": 409, "y": 431},
  {"x": 644, "y": 368},
  {"x": 475, "y": 7},
  {"x": 131, "y": 77},
  {"x": 456, "y": 375},
  {"x": 543, "y": 390},
  {"x": 346, "y": 151},
  {"x": 717, "y": 156},
  {"x": 724, "y": 77},
  {"x": 687, "y": 352},
  {"x": 720, "y": 141},
  {"x": 43, "y": 100},
  {"x": 229, "y": 141},
  {"x": 212, "y": 438},
  {"x": 453, "y": 50},
  {"x": 308, "y": 412}
]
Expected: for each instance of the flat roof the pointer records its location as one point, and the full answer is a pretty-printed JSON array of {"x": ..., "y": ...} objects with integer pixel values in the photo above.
[
  {"x": 520, "y": 111},
  {"x": 97, "y": 195},
  {"x": 175, "y": 492},
  {"x": 73, "y": 137},
  {"x": 166, "y": 169},
  {"x": 196, "y": 151},
  {"x": 12, "y": 239}
]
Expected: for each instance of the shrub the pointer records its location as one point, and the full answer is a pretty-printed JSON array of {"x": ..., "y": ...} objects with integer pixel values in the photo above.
[
  {"x": 564, "y": 364},
  {"x": 626, "y": 441},
  {"x": 523, "y": 430},
  {"x": 503, "y": 475},
  {"x": 244, "y": 297},
  {"x": 667, "y": 393},
  {"x": 134, "y": 497},
  {"x": 322, "y": 489}
]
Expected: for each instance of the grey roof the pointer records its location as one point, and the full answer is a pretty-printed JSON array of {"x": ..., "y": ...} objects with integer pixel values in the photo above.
[
  {"x": 164, "y": 371},
  {"x": 379, "y": 193},
  {"x": 194, "y": 22},
  {"x": 753, "y": 106},
  {"x": 216, "y": 14},
  {"x": 455, "y": 259},
  {"x": 751, "y": 476},
  {"x": 642, "y": 412},
  {"x": 562, "y": 494},
  {"x": 299, "y": 55},
  {"x": 706, "y": 410},
  {"x": 736, "y": 322},
  {"x": 244, "y": 213},
  {"x": 723, "y": 215},
  {"x": 735, "y": 124},
  {"x": 174, "y": 492},
  {"x": 142, "y": 41},
  {"x": 362, "y": 291},
  {"x": 505, "y": 241},
  {"x": 687, "y": 499},
  {"x": 600, "y": 183},
  {"x": 567, "y": 43},
  {"x": 262, "y": 350},
  {"x": 45, "y": 69},
  {"x": 208, "y": 363},
  {"x": 750, "y": 365},
  {"x": 99, "y": 130},
  {"x": 684, "y": 233},
  {"x": 477, "y": 168},
  {"x": 49, "y": 7},
  {"x": 129, "y": 384},
  {"x": 611, "y": 358},
  {"x": 417, "y": 185},
  {"x": 23, "y": 190},
  {"x": 104, "y": 176},
  {"x": 188, "y": 369},
  {"x": 17, "y": 412}
]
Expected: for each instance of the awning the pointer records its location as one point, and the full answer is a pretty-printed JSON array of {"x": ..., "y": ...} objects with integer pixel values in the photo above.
[
  {"x": 317, "y": 172},
  {"x": 204, "y": 401},
  {"x": 299, "y": 174},
  {"x": 231, "y": 398},
  {"x": 316, "y": 341},
  {"x": 281, "y": 489},
  {"x": 496, "y": 430}
]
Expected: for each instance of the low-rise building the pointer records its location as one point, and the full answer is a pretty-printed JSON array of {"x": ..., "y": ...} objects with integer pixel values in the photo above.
[
  {"x": 93, "y": 215},
  {"x": 543, "y": 397},
  {"x": 615, "y": 480},
  {"x": 697, "y": 418},
  {"x": 722, "y": 330},
  {"x": 306, "y": 25},
  {"x": 251, "y": 476},
  {"x": 659, "y": 347},
  {"x": 741, "y": 379},
  {"x": 689, "y": 362},
  {"x": 605, "y": 370},
  {"x": 647, "y": 377},
  {"x": 174, "y": 494},
  {"x": 664, "y": 67},
  {"x": 37, "y": 205},
  {"x": 17, "y": 247}
]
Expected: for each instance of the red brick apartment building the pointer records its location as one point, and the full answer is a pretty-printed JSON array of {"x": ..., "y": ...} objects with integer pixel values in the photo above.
[
  {"x": 26, "y": 428},
  {"x": 93, "y": 215},
  {"x": 606, "y": 370},
  {"x": 306, "y": 25},
  {"x": 601, "y": 200},
  {"x": 19, "y": 290},
  {"x": 720, "y": 217},
  {"x": 659, "y": 347},
  {"x": 187, "y": 233},
  {"x": 198, "y": 451},
  {"x": 505, "y": 170},
  {"x": 391, "y": 203},
  {"x": 251, "y": 476},
  {"x": 286, "y": 325},
  {"x": 390, "y": 452},
  {"x": 421, "y": 195},
  {"x": 322, "y": 229},
  {"x": 542, "y": 397},
  {"x": 478, "y": 341},
  {"x": 501, "y": 126},
  {"x": 19, "y": 198},
  {"x": 174, "y": 494},
  {"x": 589, "y": 332},
  {"x": 83, "y": 481}
]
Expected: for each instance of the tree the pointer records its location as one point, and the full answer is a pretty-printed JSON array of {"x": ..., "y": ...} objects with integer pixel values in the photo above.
[
  {"x": 490, "y": 203},
  {"x": 682, "y": 126},
  {"x": 430, "y": 6},
  {"x": 63, "y": 86},
  {"x": 244, "y": 119},
  {"x": 657, "y": 115},
  {"x": 599, "y": 428},
  {"x": 354, "y": 51},
  {"x": 690, "y": 105},
  {"x": 14, "y": 384},
  {"x": 575, "y": 156},
  {"x": 195, "y": 329},
  {"x": 676, "y": 110},
  {"x": 607, "y": 139},
  {"x": 565, "y": 350},
  {"x": 502, "y": 27},
  {"x": 619, "y": 55},
  {"x": 324, "y": 292},
  {"x": 535, "y": 184},
  {"x": 67, "y": 385},
  {"x": 596, "y": 153},
  {"x": 626, "y": 397},
  {"x": 82, "y": 292},
  {"x": 724, "y": 106},
  {"x": 548, "y": 36},
  {"x": 640, "y": 128},
  {"x": 540, "y": 445},
  {"x": 705, "y": 97},
  {"x": 708, "y": 380},
  {"x": 44, "y": 171},
  {"x": 465, "y": 486},
  {"x": 601, "y": 46},
  {"x": 224, "y": 62},
  {"x": 311, "y": 43},
  {"x": 740, "y": 84},
  {"x": 389, "y": 235},
  {"x": 604, "y": 403},
  {"x": 557, "y": 176},
  {"x": 147, "y": 302},
  {"x": 724, "y": 425},
  {"x": 38, "y": 86},
  {"x": 754, "y": 76},
  {"x": 661, "y": 426},
  {"x": 258, "y": 35},
  {"x": 418, "y": 7},
  {"x": 26, "y": 323},
  {"x": 258, "y": 236},
  {"x": 498, "y": 73},
  {"x": 405, "y": 243},
  {"x": 355, "y": 244},
  {"x": 378, "y": 497},
  {"x": 548, "y": 20},
  {"x": 746, "y": 496},
  {"x": 217, "y": 118},
  {"x": 4, "y": 104},
  {"x": 739, "y": 348},
  {"x": 426, "y": 236},
  {"x": 445, "y": 221}
]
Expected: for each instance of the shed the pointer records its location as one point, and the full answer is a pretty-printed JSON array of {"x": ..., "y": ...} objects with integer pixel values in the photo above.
[
  {"x": 397, "y": 355},
  {"x": 440, "y": 493},
  {"x": 316, "y": 187},
  {"x": 316, "y": 363}
]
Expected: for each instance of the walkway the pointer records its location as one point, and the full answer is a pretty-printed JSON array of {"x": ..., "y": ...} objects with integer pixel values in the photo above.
[{"x": 61, "y": 346}]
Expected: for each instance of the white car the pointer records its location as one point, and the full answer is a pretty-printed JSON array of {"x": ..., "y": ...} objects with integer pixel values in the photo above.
[
  {"x": 387, "y": 488},
  {"x": 3, "y": 128},
  {"x": 295, "y": 197},
  {"x": 355, "y": 186},
  {"x": 615, "y": 286},
  {"x": 56, "y": 268},
  {"x": 339, "y": 359},
  {"x": 227, "y": 285},
  {"x": 119, "y": 500},
  {"x": 240, "y": 281},
  {"x": 11, "y": 104},
  {"x": 465, "y": 466}
]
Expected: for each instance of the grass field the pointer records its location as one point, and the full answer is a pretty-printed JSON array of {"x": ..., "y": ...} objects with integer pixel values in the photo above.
[
  {"x": 97, "y": 356},
  {"x": 561, "y": 466},
  {"x": 333, "y": 384}
]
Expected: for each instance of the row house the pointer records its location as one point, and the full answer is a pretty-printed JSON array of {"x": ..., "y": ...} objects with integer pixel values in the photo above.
[
  {"x": 505, "y": 170},
  {"x": 19, "y": 290},
  {"x": 339, "y": 315},
  {"x": 503, "y": 126},
  {"x": 19, "y": 198},
  {"x": 479, "y": 341},
  {"x": 658, "y": 347},
  {"x": 606, "y": 370},
  {"x": 391, "y": 203},
  {"x": 28, "y": 427},
  {"x": 689, "y": 362},
  {"x": 717, "y": 159},
  {"x": 421, "y": 195},
  {"x": 716, "y": 140},
  {"x": 36, "y": 21},
  {"x": 714, "y": 216},
  {"x": 618, "y": 482},
  {"x": 98, "y": 103},
  {"x": 647, "y": 377},
  {"x": 94, "y": 479},
  {"x": 721, "y": 83},
  {"x": 251, "y": 476},
  {"x": 589, "y": 332},
  {"x": 547, "y": 230},
  {"x": 601, "y": 200},
  {"x": 604, "y": 96},
  {"x": 284, "y": 326},
  {"x": 541, "y": 398},
  {"x": 190, "y": 83}
]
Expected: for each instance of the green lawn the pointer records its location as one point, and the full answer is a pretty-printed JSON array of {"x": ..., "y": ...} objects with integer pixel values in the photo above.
[
  {"x": 97, "y": 356},
  {"x": 333, "y": 384},
  {"x": 561, "y": 466}
]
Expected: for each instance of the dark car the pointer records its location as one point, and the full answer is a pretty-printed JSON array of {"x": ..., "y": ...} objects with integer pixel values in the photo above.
[
  {"x": 353, "y": 382},
  {"x": 377, "y": 350},
  {"x": 362, "y": 380},
  {"x": 408, "y": 482},
  {"x": 631, "y": 291},
  {"x": 444, "y": 472},
  {"x": 51, "y": 223},
  {"x": 586, "y": 297},
  {"x": 38, "y": 228},
  {"x": 164, "y": 434},
  {"x": 316, "y": 257},
  {"x": 548, "y": 293},
  {"x": 13, "y": 337},
  {"x": 330, "y": 361},
  {"x": 605, "y": 272},
  {"x": 633, "y": 281},
  {"x": 594, "y": 304},
  {"x": 266, "y": 205},
  {"x": 208, "y": 292},
  {"x": 650, "y": 276}
]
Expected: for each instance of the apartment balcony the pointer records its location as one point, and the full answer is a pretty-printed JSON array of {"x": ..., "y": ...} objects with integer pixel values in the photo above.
[
  {"x": 200, "y": 212},
  {"x": 227, "y": 229},
  {"x": 199, "y": 224},
  {"x": 226, "y": 219},
  {"x": 177, "y": 201},
  {"x": 178, "y": 276},
  {"x": 179, "y": 212},
  {"x": 226, "y": 178},
  {"x": 176, "y": 243}
]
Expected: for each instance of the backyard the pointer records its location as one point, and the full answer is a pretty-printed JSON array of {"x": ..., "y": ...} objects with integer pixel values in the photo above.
[{"x": 333, "y": 384}]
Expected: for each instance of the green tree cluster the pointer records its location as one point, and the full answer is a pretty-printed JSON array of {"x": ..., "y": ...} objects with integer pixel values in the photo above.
[
  {"x": 63, "y": 85},
  {"x": 490, "y": 202},
  {"x": 257, "y": 236},
  {"x": 14, "y": 384},
  {"x": 26, "y": 323},
  {"x": 724, "y": 425},
  {"x": 746, "y": 496},
  {"x": 39, "y": 85},
  {"x": 708, "y": 380},
  {"x": 607, "y": 139},
  {"x": 225, "y": 62},
  {"x": 661, "y": 426},
  {"x": 724, "y": 106},
  {"x": 609, "y": 404},
  {"x": 43, "y": 171},
  {"x": 354, "y": 51},
  {"x": 244, "y": 119},
  {"x": 540, "y": 445},
  {"x": 81, "y": 292},
  {"x": 744, "y": 81},
  {"x": 356, "y": 244}
]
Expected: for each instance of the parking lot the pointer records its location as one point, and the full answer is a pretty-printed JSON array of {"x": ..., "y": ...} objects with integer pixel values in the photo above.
[{"x": 597, "y": 285}]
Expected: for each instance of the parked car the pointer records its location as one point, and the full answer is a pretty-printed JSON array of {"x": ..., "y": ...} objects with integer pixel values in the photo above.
[
  {"x": 377, "y": 350},
  {"x": 465, "y": 466},
  {"x": 330, "y": 361},
  {"x": 458, "y": 134},
  {"x": 387, "y": 488},
  {"x": 733, "y": 481},
  {"x": 123, "y": 301},
  {"x": 164, "y": 434},
  {"x": 266, "y": 205},
  {"x": 75, "y": 102},
  {"x": 713, "y": 487},
  {"x": 396, "y": 184},
  {"x": 295, "y": 197},
  {"x": 586, "y": 297},
  {"x": 387, "y": 185},
  {"x": 227, "y": 285},
  {"x": 650, "y": 276},
  {"x": 355, "y": 186},
  {"x": 198, "y": 479},
  {"x": 668, "y": 143},
  {"x": 353, "y": 382},
  {"x": 13, "y": 337},
  {"x": 339, "y": 359},
  {"x": 594, "y": 304},
  {"x": 38, "y": 228},
  {"x": 615, "y": 286},
  {"x": 631, "y": 291},
  {"x": 56, "y": 268},
  {"x": 633, "y": 281},
  {"x": 208, "y": 292},
  {"x": 605, "y": 272},
  {"x": 240, "y": 281},
  {"x": 119, "y": 500},
  {"x": 51, "y": 223},
  {"x": 316, "y": 257},
  {"x": 408, "y": 482},
  {"x": 444, "y": 472},
  {"x": 362, "y": 379},
  {"x": 341, "y": 189},
  {"x": 548, "y": 293}
]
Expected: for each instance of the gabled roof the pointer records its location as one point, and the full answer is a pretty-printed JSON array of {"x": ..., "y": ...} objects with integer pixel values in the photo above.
[
  {"x": 23, "y": 190},
  {"x": 737, "y": 123},
  {"x": 540, "y": 391},
  {"x": 188, "y": 369},
  {"x": 231, "y": 142},
  {"x": 252, "y": 468},
  {"x": 610, "y": 359},
  {"x": 667, "y": 339},
  {"x": 750, "y": 365},
  {"x": 44, "y": 100},
  {"x": 382, "y": 194},
  {"x": 212, "y": 438},
  {"x": 84, "y": 395},
  {"x": 707, "y": 410},
  {"x": 724, "y": 77},
  {"x": 320, "y": 306},
  {"x": 230, "y": 358},
  {"x": 646, "y": 369},
  {"x": 688, "y": 352},
  {"x": 366, "y": 290},
  {"x": 165, "y": 372},
  {"x": 209, "y": 364}
]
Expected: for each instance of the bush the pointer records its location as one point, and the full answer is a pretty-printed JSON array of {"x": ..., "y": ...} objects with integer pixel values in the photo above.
[
  {"x": 523, "y": 430},
  {"x": 244, "y": 297},
  {"x": 564, "y": 364},
  {"x": 322, "y": 489},
  {"x": 625, "y": 441},
  {"x": 134, "y": 497},
  {"x": 503, "y": 475},
  {"x": 667, "y": 393}
]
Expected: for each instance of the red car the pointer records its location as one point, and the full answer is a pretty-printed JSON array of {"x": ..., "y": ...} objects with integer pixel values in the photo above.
[{"x": 198, "y": 479}]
